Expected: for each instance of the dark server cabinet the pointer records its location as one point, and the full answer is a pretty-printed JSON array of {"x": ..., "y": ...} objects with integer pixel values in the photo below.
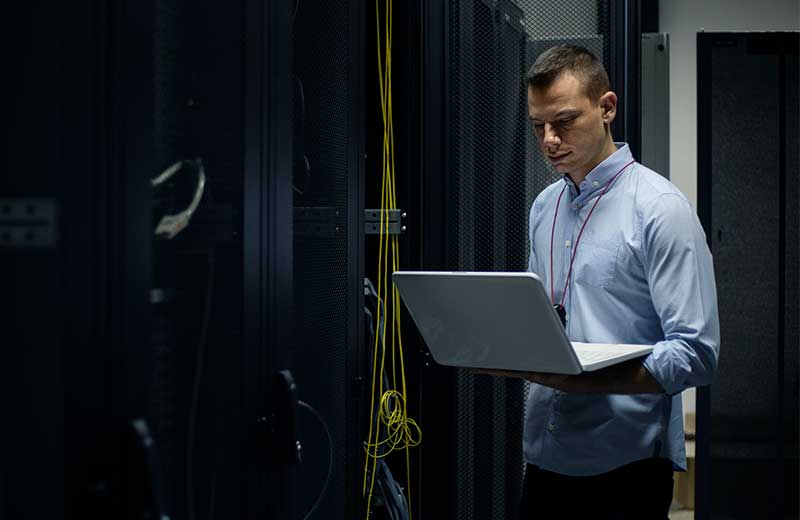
[
  {"x": 136, "y": 370},
  {"x": 74, "y": 261},
  {"x": 480, "y": 174},
  {"x": 747, "y": 199},
  {"x": 487, "y": 139},
  {"x": 327, "y": 344},
  {"x": 223, "y": 287},
  {"x": 486, "y": 224}
]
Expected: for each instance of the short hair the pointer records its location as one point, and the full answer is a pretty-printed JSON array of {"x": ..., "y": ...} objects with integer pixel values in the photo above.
[{"x": 573, "y": 59}]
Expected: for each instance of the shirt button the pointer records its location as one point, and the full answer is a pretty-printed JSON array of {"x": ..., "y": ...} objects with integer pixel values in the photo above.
[
  {"x": 567, "y": 243},
  {"x": 574, "y": 206},
  {"x": 595, "y": 184},
  {"x": 551, "y": 427}
]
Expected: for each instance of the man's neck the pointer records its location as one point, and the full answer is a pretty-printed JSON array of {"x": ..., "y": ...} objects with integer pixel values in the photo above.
[{"x": 577, "y": 177}]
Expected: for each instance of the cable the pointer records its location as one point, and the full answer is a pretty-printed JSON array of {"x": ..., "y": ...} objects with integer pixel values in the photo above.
[
  {"x": 198, "y": 372},
  {"x": 294, "y": 12},
  {"x": 401, "y": 432},
  {"x": 330, "y": 457},
  {"x": 170, "y": 225},
  {"x": 399, "y": 428},
  {"x": 381, "y": 324},
  {"x": 302, "y": 125}
]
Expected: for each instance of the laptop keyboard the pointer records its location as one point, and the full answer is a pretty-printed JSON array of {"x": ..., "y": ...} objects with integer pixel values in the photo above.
[{"x": 594, "y": 352}]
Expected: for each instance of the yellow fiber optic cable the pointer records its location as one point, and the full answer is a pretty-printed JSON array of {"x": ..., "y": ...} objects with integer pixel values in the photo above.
[
  {"x": 401, "y": 431},
  {"x": 375, "y": 372}
]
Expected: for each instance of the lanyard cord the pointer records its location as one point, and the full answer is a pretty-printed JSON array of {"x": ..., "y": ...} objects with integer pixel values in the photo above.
[{"x": 580, "y": 233}]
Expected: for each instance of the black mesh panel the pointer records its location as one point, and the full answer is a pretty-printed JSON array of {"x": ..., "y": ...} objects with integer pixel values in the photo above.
[
  {"x": 745, "y": 245},
  {"x": 197, "y": 312},
  {"x": 791, "y": 362},
  {"x": 755, "y": 259},
  {"x": 494, "y": 173},
  {"x": 323, "y": 128}
]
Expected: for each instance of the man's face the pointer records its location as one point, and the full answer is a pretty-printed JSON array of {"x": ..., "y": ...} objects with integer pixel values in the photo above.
[{"x": 571, "y": 129}]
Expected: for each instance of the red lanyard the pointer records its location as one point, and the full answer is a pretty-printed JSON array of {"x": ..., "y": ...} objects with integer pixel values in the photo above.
[{"x": 577, "y": 241}]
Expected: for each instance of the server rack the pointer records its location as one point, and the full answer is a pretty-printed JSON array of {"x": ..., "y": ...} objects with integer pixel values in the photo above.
[
  {"x": 222, "y": 89},
  {"x": 75, "y": 330},
  {"x": 114, "y": 325},
  {"x": 474, "y": 204},
  {"x": 747, "y": 431},
  {"x": 328, "y": 356}
]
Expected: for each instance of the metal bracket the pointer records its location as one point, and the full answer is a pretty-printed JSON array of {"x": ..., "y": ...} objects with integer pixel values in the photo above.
[
  {"x": 28, "y": 222},
  {"x": 319, "y": 221},
  {"x": 392, "y": 221}
]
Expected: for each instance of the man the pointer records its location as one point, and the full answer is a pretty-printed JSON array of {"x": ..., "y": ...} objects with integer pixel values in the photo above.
[{"x": 621, "y": 251}]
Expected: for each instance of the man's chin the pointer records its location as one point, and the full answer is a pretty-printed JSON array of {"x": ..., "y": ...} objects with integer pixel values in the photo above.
[
  {"x": 562, "y": 164},
  {"x": 561, "y": 168}
]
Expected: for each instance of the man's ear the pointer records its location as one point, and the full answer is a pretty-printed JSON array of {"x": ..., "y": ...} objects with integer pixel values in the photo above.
[{"x": 608, "y": 103}]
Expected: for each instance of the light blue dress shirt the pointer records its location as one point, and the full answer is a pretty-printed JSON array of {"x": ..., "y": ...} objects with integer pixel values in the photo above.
[{"x": 642, "y": 274}]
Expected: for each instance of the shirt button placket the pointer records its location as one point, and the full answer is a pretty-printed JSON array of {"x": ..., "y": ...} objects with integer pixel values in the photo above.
[{"x": 551, "y": 422}]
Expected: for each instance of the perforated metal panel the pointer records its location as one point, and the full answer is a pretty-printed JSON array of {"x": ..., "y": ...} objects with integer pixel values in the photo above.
[
  {"x": 326, "y": 78},
  {"x": 195, "y": 396},
  {"x": 494, "y": 173},
  {"x": 791, "y": 355},
  {"x": 753, "y": 424},
  {"x": 745, "y": 244}
]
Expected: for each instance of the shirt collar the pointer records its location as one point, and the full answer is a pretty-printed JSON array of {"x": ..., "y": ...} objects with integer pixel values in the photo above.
[{"x": 597, "y": 179}]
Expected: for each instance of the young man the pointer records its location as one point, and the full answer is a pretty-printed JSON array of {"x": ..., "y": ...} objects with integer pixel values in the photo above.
[{"x": 622, "y": 253}]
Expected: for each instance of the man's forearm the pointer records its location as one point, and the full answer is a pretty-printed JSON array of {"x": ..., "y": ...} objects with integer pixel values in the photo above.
[{"x": 624, "y": 378}]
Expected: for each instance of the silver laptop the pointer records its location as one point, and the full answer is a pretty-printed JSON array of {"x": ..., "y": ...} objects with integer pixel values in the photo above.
[{"x": 501, "y": 321}]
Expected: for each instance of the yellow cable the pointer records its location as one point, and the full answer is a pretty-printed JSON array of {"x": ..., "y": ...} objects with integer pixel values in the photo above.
[
  {"x": 375, "y": 351},
  {"x": 402, "y": 432},
  {"x": 381, "y": 262}
]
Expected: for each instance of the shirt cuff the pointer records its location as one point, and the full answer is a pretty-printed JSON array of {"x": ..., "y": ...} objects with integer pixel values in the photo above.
[{"x": 668, "y": 368}]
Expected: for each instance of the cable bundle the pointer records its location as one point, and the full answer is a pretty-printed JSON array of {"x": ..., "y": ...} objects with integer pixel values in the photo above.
[{"x": 401, "y": 432}]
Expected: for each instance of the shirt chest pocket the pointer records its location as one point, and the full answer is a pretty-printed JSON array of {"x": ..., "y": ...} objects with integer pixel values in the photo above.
[{"x": 596, "y": 261}]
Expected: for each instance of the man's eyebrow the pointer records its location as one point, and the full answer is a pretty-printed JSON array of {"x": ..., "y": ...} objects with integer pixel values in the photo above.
[{"x": 567, "y": 112}]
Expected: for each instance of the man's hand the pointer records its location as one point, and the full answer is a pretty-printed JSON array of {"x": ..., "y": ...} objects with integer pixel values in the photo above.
[
  {"x": 629, "y": 377},
  {"x": 556, "y": 381}
]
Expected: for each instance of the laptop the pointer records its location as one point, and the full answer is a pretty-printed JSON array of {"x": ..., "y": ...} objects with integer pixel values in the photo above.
[{"x": 501, "y": 321}]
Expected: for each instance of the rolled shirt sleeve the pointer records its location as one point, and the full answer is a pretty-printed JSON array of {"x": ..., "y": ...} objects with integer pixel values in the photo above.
[{"x": 680, "y": 272}]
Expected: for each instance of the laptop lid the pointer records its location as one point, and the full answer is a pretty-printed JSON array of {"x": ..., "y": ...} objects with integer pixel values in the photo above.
[{"x": 487, "y": 320}]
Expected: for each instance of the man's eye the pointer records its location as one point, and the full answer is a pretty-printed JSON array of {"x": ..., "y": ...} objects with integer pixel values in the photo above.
[
  {"x": 566, "y": 122},
  {"x": 538, "y": 126}
]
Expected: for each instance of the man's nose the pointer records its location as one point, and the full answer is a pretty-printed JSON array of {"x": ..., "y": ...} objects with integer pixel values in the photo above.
[{"x": 551, "y": 139}]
